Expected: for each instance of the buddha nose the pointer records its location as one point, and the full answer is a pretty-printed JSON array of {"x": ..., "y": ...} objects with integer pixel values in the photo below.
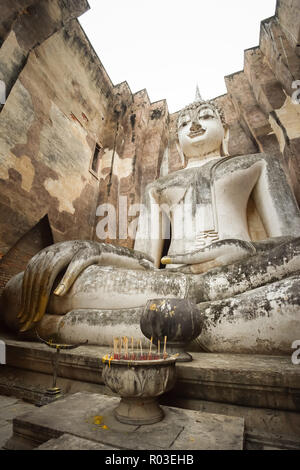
[{"x": 196, "y": 126}]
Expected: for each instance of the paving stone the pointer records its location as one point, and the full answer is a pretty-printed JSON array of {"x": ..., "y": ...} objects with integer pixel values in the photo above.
[
  {"x": 7, "y": 401},
  {"x": 18, "y": 408},
  {"x": 5, "y": 433},
  {"x": 68, "y": 442},
  {"x": 207, "y": 432},
  {"x": 279, "y": 427},
  {"x": 180, "y": 429}
]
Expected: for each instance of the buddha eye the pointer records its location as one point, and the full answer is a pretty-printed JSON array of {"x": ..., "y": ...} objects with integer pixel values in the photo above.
[
  {"x": 184, "y": 122},
  {"x": 206, "y": 114}
]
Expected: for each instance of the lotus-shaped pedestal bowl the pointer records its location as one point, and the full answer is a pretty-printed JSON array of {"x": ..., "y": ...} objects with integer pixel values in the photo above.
[{"x": 139, "y": 383}]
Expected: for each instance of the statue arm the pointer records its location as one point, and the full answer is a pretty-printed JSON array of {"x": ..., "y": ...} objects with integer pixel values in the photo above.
[
  {"x": 275, "y": 200},
  {"x": 149, "y": 233}
]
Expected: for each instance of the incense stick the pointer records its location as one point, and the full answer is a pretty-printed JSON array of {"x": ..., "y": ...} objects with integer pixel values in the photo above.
[
  {"x": 165, "y": 347},
  {"x": 122, "y": 349},
  {"x": 141, "y": 349},
  {"x": 149, "y": 356},
  {"x": 116, "y": 341}
]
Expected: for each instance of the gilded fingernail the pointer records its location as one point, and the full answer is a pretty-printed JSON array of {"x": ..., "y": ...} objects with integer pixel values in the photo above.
[
  {"x": 36, "y": 318},
  {"x": 25, "y": 327},
  {"x": 59, "y": 290},
  {"x": 166, "y": 260}
]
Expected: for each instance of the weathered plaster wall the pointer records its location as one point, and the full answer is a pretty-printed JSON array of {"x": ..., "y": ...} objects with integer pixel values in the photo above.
[
  {"x": 288, "y": 12},
  {"x": 25, "y": 24},
  {"x": 140, "y": 139},
  {"x": 26, "y": 247},
  {"x": 54, "y": 115}
]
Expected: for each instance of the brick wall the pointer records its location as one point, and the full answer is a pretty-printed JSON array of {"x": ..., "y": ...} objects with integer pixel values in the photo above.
[{"x": 17, "y": 258}]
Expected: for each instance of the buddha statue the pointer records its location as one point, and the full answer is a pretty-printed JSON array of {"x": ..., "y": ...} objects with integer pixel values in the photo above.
[{"x": 247, "y": 291}]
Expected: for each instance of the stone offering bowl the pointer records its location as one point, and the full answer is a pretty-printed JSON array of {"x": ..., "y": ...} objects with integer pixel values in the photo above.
[
  {"x": 139, "y": 383},
  {"x": 177, "y": 319}
]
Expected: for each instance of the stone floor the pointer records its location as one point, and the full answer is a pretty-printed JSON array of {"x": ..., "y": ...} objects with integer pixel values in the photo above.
[
  {"x": 87, "y": 421},
  {"x": 10, "y": 407}
]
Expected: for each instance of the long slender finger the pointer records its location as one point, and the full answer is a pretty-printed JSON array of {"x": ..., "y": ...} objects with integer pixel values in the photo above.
[
  {"x": 27, "y": 285},
  {"x": 83, "y": 259},
  {"x": 24, "y": 285},
  {"x": 189, "y": 258},
  {"x": 23, "y": 296},
  {"x": 35, "y": 293}
]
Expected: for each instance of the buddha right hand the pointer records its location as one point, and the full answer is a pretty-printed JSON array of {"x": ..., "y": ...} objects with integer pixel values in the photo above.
[
  {"x": 75, "y": 255},
  {"x": 220, "y": 253}
]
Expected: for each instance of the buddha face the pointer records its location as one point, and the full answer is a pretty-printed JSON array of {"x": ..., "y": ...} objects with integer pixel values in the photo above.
[{"x": 200, "y": 131}]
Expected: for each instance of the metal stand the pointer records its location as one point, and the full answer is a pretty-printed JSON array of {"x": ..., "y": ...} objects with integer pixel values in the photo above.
[{"x": 54, "y": 393}]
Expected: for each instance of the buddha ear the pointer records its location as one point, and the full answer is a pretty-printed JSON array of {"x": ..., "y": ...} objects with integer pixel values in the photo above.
[{"x": 225, "y": 143}]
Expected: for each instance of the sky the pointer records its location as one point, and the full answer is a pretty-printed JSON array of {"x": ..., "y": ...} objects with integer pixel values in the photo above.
[{"x": 170, "y": 46}]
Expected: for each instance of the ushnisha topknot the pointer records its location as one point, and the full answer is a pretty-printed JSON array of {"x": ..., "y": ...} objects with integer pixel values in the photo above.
[{"x": 201, "y": 102}]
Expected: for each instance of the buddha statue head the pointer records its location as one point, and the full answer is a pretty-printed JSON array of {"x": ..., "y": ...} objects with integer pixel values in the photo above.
[{"x": 202, "y": 131}]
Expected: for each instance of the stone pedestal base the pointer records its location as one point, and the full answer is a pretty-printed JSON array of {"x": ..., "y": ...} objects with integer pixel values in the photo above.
[
  {"x": 180, "y": 350},
  {"x": 139, "y": 411},
  {"x": 51, "y": 394}
]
